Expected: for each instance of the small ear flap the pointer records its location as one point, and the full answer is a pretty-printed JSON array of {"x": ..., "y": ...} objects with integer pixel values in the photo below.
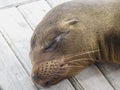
[{"x": 72, "y": 21}]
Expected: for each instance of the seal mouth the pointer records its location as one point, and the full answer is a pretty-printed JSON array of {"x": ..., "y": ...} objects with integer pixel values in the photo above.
[{"x": 54, "y": 80}]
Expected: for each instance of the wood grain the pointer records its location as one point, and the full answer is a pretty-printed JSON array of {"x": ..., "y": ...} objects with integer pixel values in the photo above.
[
  {"x": 12, "y": 74},
  {"x": 54, "y": 3},
  {"x": 18, "y": 33},
  {"x": 14, "y": 3},
  {"x": 112, "y": 73},
  {"x": 93, "y": 79},
  {"x": 34, "y": 12}
]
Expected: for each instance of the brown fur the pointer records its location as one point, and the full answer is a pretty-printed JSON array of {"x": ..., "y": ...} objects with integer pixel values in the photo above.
[{"x": 88, "y": 33}]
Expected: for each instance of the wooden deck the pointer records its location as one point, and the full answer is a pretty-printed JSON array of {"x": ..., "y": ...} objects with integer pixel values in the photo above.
[{"x": 18, "y": 19}]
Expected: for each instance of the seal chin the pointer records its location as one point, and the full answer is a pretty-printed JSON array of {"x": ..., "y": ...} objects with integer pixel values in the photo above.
[
  {"x": 48, "y": 83},
  {"x": 52, "y": 81}
]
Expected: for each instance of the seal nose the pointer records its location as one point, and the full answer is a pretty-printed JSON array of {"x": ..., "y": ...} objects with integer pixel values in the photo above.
[
  {"x": 47, "y": 73},
  {"x": 34, "y": 77}
]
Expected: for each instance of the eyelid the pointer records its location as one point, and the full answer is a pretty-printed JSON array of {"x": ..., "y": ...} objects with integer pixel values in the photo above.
[
  {"x": 56, "y": 39},
  {"x": 59, "y": 37},
  {"x": 50, "y": 45}
]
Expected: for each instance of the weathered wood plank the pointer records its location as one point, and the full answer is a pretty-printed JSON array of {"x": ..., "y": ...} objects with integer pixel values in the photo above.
[
  {"x": 93, "y": 79},
  {"x": 64, "y": 85},
  {"x": 13, "y": 3},
  {"x": 112, "y": 73},
  {"x": 12, "y": 74},
  {"x": 34, "y": 12},
  {"x": 18, "y": 34},
  {"x": 54, "y": 3},
  {"x": 28, "y": 12},
  {"x": 14, "y": 26},
  {"x": 4, "y": 3}
]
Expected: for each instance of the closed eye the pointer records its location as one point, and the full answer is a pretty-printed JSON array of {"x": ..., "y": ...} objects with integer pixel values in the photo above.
[
  {"x": 55, "y": 41},
  {"x": 50, "y": 45}
]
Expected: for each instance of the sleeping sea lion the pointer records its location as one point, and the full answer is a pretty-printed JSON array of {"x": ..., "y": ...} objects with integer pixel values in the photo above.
[{"x": 73, "y": 36}]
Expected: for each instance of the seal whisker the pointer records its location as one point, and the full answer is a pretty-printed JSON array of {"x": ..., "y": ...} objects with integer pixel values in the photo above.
[
  {"x": 58, "y": 74},
  {"x": 75, "y": 66},
  {"x": 78, "y": 60},
  {"x": 81, "y": 53},
  {"x": 72, "y": 66}
]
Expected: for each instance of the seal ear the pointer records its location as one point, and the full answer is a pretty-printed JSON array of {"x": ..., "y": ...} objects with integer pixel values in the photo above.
[{"x": 72, "y": 21}]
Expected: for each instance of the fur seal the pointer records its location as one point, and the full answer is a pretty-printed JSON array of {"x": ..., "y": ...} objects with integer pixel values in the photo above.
[{"x": 73, "y": 36}]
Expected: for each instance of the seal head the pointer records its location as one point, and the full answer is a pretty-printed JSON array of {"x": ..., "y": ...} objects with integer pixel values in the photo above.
[{"x": 59, "y": 45}]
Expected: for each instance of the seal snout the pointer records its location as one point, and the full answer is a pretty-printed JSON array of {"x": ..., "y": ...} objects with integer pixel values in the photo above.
[
  {"x": 48, "y": 73},
  {"x": 35, "y": 79}
]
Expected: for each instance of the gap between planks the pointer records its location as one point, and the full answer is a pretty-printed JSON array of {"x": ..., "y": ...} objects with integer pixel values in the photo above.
[
  {"x": 15, "y": 51},
  {"x": 17, "y": 72},
  {"x": 17, "y": 4}
]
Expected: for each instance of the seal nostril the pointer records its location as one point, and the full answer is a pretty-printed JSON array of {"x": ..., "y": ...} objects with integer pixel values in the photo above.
[
  {"x": 61, "y": 65},
  {"x": 35, "y": 77}
]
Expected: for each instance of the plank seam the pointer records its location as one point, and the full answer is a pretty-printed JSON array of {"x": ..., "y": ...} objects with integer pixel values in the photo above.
[
  {"x": 31, "y": 29},
  {"x": 75, "y": 83},
  {"x": 98, "y": 66},
  {"x": 18, "y": 4},
  {"x": 1, "y": 88},
  {"x": 25, "y": 19},
  {"x": 9, "y": 42},
  {"x": 14, "y": 49},
  {"x": 49, "y": 3}
]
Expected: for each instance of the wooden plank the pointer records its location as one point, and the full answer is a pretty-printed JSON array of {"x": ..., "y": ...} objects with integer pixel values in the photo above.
[
  {"x": 54, "y": 3},
  {"x": 4, "y": 3},
  {"x": 28, "y": 12},
  {"x": 64, "y": 85},
  {"x": 34, "y": 12},
  {"x": 14, "y": 26},
  {"x": 18, "y": 33},
  {"x": 12, "y": 74},
  {"x": 13, "y": 3},
  {"x": 93, "y": 79},
  {"x": 112, "y": 73}
]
